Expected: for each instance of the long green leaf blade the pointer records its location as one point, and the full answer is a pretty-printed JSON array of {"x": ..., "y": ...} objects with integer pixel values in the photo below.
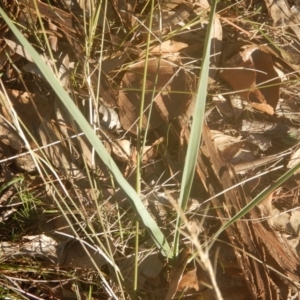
[
  {"x": 196, "y": 130},
  {"x": 148, "y": 221}
]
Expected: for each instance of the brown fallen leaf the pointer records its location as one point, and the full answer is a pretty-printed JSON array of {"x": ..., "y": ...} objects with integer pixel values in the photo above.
[
  {"x": 164, "y": 86},
  {"x": 168, "y": 47},
  {"x": 251, "y": 73},
  {"x": 189, "y": 280}
]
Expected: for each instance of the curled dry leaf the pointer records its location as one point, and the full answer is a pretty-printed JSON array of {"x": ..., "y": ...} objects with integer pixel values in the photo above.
[
  {"x": 251, "y": 73},
  {"x": 164, "y": 86}
]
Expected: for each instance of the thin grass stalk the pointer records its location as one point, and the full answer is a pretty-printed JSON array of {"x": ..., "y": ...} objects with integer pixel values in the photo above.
[
  {"x": 196, "y": 130},
  {"x": 136, "y": 260}
]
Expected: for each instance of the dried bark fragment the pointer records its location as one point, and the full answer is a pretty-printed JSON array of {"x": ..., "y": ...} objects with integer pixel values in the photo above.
[{"x": 256, "y": 241}]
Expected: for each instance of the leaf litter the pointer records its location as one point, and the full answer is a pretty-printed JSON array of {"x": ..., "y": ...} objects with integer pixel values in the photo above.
[{"x": 250, "y": 122}]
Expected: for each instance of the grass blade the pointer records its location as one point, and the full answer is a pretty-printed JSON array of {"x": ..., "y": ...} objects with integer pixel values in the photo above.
[{"x": 196, "y": 130}]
